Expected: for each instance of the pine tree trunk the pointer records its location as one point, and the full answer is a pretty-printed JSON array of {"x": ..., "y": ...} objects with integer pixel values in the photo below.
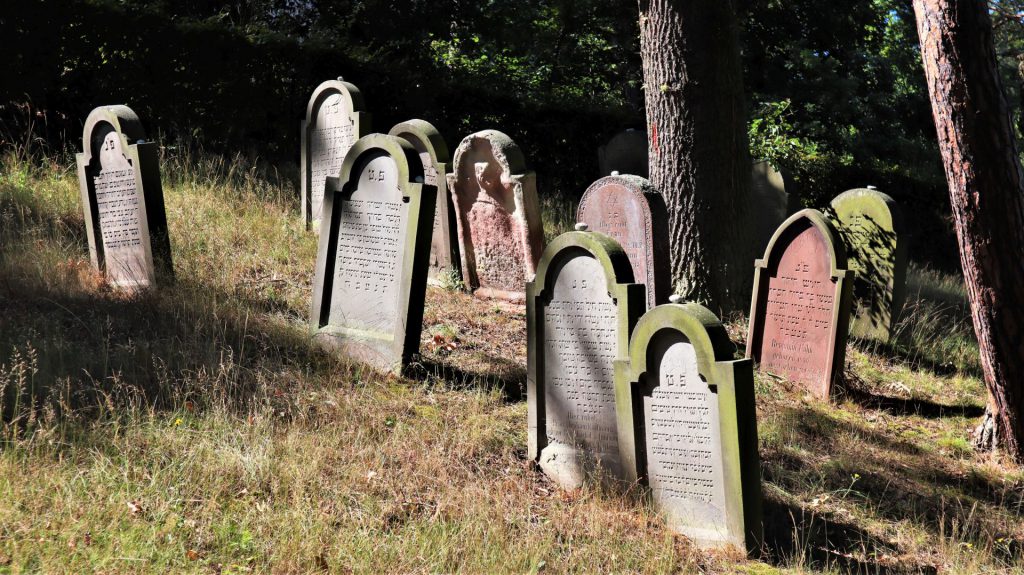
[
  {"x": 985, "y": 188},
  {"x": 697, "y": 141}
]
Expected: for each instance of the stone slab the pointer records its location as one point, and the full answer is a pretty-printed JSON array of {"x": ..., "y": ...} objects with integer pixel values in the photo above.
[
  {"x": 625, "y": 153},
  {"x": 772, "y": 202}
]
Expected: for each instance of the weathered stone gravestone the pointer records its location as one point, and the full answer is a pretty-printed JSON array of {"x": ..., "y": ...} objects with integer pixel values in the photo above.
[
  {"x": 500, "y": 232},
  {"x": 625, "y": 153},
  {"x": 371, "y": 267},
  {"x": 580, "y": 310},
  {"x": 433, "y": 152},
  {"x": 696, "y": 446},
  {"x": 871, "y": 225},
  {"x": 125, "y": 221},
  {"x": 631, "y": 211},
  {"x": 799, "y": 316},
  {"x": 772, "y": 204},
  {"x": 334, "y": 121}
]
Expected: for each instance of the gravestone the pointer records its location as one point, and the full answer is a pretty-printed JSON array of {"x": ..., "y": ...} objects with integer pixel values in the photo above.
[
  {"x": 371, "y": 266},
  {"x": 625, "y": 153},
  {"x": 125, "y": 221},
  {"x": 871, "y": 225},
  {"x": 580, "y": 310},
  {"x": 433, "y": 152},
  {"x": 500, "y": 232},
  {"x": 631, "y": 211},
  {"x": 334, "y": 121},
  {"x": 799, "y": 315},
  {"x": 696, "y": 446},
  {"x": 772, "y": 204}
]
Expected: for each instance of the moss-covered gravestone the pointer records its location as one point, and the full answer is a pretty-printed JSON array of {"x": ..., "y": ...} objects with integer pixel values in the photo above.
[
  {"x": 119, "y": 177},
  {"x": 334, "y": 121},
  {"x": 371, "y": 266},
  {"x": 871, "y": 225},
  {"x": 580, "y": 310},
  {"x": 499, "y": 226},
  {"x": 629, "y": 209},
  {"x": 696, "y": 444},
  {"x": 444, "y": 247},
  {"x": 800, "y": 312},
  {"x": 625, "y": 153}
]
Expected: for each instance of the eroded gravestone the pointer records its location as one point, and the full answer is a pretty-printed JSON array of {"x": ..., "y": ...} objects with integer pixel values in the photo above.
[
  {"x": 580, "y": 310},
  {"x": 872, "y": 227},
  {"x": 800, "y": 311},
  {"x": 499, "y": 227},
  {"x": 631, "y": 211},
  {"x": 371, "y": 267},
  {"x": 625, "y": 153},
  {"x": 125, "y": 221},
  {"x": 696, "y": 446},
  {"x": 433, "y": 152},
  {"x": 771, "y": 202},
  {"x": 334, "y": 121}
]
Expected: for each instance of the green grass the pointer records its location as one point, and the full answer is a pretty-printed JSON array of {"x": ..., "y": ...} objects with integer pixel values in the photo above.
[{"x": 196, "y": 429}]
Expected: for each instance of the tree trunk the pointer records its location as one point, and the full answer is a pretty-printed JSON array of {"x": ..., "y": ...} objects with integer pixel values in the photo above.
[
  {"x": 697, "y": 144},
  {"x": 984, "y": 174}
]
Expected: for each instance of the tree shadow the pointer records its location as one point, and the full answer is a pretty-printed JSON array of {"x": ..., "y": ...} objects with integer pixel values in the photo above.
[
  {"x": 863, "y": 397},
  {"x": 500, "y": 374}
]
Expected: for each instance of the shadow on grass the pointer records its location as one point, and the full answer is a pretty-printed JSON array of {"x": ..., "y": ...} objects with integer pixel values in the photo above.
[
  {"x": 501, "y": 374},
  {"x": 903, "y": 406}
]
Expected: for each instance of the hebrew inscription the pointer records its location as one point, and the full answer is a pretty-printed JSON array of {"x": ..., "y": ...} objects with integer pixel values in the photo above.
[
  {"x": 120, "y": 217},
  {"x": 330, "y": 140}
]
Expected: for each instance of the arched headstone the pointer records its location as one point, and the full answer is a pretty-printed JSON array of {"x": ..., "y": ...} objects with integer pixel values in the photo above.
[
  {"x": 800, "y": 312},
  {"x": 371, "y": 265},
  {"x": 872, "y": 227},
  {"x": 696, "y": 445},
  {"x": 500, "y": 231},
  {"x": 433, "y": 152},
  {"x": 631, "y": 211},
  {"x": 334, "y": 121},
  {"x": 625, "y": 153},
  {"x": 119, "y": 177},
  {"x": 580, "y": 310},
  {"x": 772, "y": 203}
]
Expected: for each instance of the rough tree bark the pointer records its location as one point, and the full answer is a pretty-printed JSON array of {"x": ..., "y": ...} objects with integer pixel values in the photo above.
[
  {"x": 985, "y": 188},
  {"x": 697, "y": 141}
]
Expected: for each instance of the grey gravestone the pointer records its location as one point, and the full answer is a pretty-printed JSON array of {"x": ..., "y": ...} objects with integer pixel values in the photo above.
[
  {"x": 334, "y": 121},
  {"x": 696, "y": 446},
  {"x": 800, "y": 310},
  {"x": 871, "y": 224},
  {"x": 433, "y": 152},
  {"x": 580, "y": 310},
  {"x": 631, "y": 211},
  {"x": 371, "y": 267},
  {"x": 625, "y": 153},
  {"x": 772, "y": 203},
  {"x": 119, "y": 177},
  {"x": 500, "y": 231}
]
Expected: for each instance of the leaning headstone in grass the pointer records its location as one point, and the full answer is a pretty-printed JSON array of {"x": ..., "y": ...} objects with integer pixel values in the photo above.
[
  {"x": 800, "y": 312},
  {"x": 696, "y": 445},
  {"x": 125, "y": 221},
  {"x": 631, "y": 211},
  {"x": 499, "y": 226},
  {"x": 371, "y": 266},
  {"x": 625, "y": 153},
  {"x": 580, "y": 310},
  {"x": 444, "y": 247},
  {"x": 771, "y": 202},
  {"x": 334, "y": 121},
  {"x": 871, "y": 224}
]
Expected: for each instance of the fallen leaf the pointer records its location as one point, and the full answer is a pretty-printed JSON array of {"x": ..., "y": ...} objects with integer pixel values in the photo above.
[
  {"x": 192, "y": 554},
  {"x": 135, "y": 507}
]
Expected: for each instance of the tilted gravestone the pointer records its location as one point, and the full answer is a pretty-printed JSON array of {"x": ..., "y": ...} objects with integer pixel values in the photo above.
[
  {"x": 871, "y": 225},
  {"x": 371, "y": 266},
  {"x": 631, "y": 211},
  {"x": 696, "y": 446},
  {"x": 580, "y": 310},
  {"x": 334, "y": 121},
  {"x": 800, "y": 311},
  {"x": 771, "y": 202},
  {"x": 625, "y": 153},
  {"x": 433, "y": 152},
  {"x": 125, "y": 221},
  {"x": 500, "y": 232}
]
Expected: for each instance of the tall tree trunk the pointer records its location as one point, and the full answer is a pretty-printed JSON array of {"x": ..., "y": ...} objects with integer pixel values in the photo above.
[
  {"x": 985, "y": 188},
  {"x": 697, "y": 141}
]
